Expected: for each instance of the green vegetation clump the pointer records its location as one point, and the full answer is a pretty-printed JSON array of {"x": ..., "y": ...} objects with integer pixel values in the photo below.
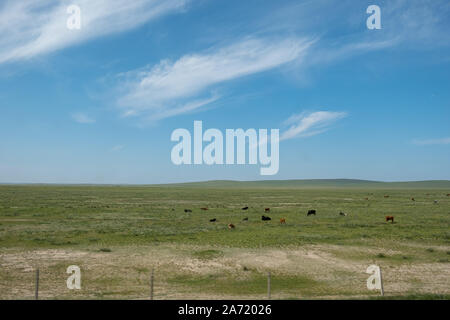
[{"x": 207, "y": 254}]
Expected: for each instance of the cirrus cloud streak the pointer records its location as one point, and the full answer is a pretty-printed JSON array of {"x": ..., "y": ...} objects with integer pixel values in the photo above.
[{"x": 171, "y": 88}]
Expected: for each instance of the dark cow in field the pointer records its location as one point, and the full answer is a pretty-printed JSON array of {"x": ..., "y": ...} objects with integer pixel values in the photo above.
[
  {"x": 245, "y": 219},
  {"x": 448, "y": 194},
  {"x": 231, "y": 226},
  {"x": 283, "y": 221},
  {"x": 204, "y": 209},
  {"x": 390, "y": 218},
  {"x": 245, "y": 208},
  {"x": 386, "y": 196},
  {"x": 342, "y": 214},
  {"x": 367, "y": 198},
  {"x": 187, "y": 210},
  {"x": 311, "y": 212},
  {"x": 213, "y": 220},
  {"x": 266, "y": 209},
  {"x": 264, "y": 218},
  {"x": 412, "y": 199}
]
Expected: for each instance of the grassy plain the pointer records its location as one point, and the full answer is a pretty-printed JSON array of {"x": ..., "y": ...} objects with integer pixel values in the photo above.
[{"x": 118, "y": 234}]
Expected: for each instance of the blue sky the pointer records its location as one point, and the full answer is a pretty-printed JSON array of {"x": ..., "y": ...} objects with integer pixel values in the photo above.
[{"x": 99, "y": 104}]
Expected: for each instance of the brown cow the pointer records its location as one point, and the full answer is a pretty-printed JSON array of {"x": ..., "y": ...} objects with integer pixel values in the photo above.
[
  {"x": 282, "y": 221},
  {"x": 231, "y": 226},
  {"x": 390, "y": 218},
  {"x": 412, "y": 199},
  {"x": 204, "y": 209},
  {"x": 386, "y": 196},
  {"x": 267, "y": 210},
  {"x": 448, "y": 194},
  {"x": 367, "y": 198}
]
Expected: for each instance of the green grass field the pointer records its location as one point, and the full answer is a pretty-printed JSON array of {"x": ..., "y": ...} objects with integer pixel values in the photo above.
[{"x": 118, "y": 234}]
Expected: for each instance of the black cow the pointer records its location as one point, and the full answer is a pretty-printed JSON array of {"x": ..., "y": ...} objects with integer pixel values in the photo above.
[
  {"x": 342, "y": 214},
  {"x": 187, "y": 210},
  {"x": 213, "y": 220},
  {"x": 311, "y": 212},
  {"x": 245, "y": 219},
  {"x": 245, "y": 208},
  {"x": 264, "y": 218}
]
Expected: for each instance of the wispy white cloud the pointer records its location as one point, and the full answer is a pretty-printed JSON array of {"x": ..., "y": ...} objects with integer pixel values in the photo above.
[
  {"x": 306, "y": 125},
  {"x": 411, "y": 25},
  {"x": 82, "y": 118},
  {"x": 309, "y": 124},
  {"x": 172, "y": 88},
  {"x": 424, "y": 142},
  {"x": 31, "y": 28}
]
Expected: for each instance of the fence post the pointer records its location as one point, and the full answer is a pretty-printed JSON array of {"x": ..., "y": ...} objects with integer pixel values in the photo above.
[
  {"x": 151, "y": 284},
  {"x": 268, "y": 285},
  {"x": 381, "y": 283},
  {"x": 36, "y": 288}
]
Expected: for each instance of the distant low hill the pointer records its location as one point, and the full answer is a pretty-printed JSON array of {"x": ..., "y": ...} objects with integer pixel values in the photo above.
[{"x": 318, "y": 183}]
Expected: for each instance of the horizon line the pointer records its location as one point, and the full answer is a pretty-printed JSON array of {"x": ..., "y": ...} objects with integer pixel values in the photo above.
[{"x": 217, "y": 180}]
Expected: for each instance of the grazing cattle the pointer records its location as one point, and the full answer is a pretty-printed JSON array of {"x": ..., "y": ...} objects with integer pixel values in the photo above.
[
  {"x": 342, "y": 214},
  {"x": 311, "y": 212},
  {"x": 264, "y": 218},
  {"x": 386, "y": 196},
  {"x": 448, "y": 194},
  {"x": 213, "y": 220},
  {"x": 231, "y": 226},
  {"x": 204, "y": 209},
  {"x": 245, "y": 219},
  {"x": 187, "y": 210},
  {"x": 282, "y": 221},
  {"x": 245, "y": 208},
  {"x": 435, "y": 202},
  {"x": 412, "y": 199},
  {"x": 391, "y": 218},
  {"x": 367, "y": 198},
  {"x": 267, "y": 210}
]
